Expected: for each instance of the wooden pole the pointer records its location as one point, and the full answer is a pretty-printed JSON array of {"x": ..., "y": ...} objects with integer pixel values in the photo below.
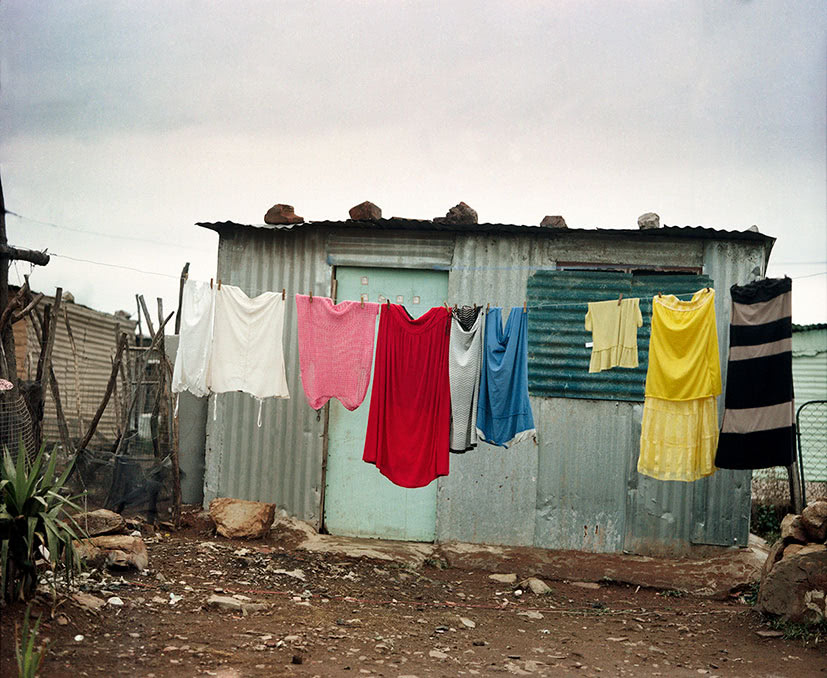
[
  {"x": 9, "y": 365},
  {"x": 184, "y": 274},
  {"x": 164, "y": 384}
]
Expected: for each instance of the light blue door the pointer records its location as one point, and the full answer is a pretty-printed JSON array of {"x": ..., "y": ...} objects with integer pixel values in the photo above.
[{"x": 360, "y": 501}]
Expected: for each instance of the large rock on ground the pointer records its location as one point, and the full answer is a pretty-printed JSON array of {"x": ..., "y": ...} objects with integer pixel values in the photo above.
[
  {"x": 814, "y": 520},
  {"x": 114, "y": 550},
  {"x": 792, "y": 528},
  {"x": 99, "y": 522},
  {"x": 796, "y": 588},
  {"x": 282, "y": 214},
  {"x": 365, "y": 211},
  {"x": 240, "y": 519}
]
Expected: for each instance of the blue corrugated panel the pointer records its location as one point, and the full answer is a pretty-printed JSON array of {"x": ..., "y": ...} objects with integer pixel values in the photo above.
[{"x": 558, "y": 358}]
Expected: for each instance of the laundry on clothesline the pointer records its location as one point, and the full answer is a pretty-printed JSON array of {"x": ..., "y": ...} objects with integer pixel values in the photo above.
[
  {"x": 613, "y": 325},
  {"x": 758, "y": 426},
  {"x": 464, "y": 363},
  {"x": 192, "y": 359},
  {"x": 247, "y": 352},
  {"x": 335, "y": 349},
  {"x": 410, "y": 404},
  {"x": 504, "y": 414},
  {"x": 679, "y": 432}
]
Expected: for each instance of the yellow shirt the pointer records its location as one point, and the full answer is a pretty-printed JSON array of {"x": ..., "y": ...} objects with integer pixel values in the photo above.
[
  {"x": 614, "y": 333},
  {"x": 683, "y": 348}
]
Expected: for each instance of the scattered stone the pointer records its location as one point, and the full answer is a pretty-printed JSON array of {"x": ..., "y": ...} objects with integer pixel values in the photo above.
[
  {"x": 99, "y": 522},
  {"x": 468, "y": 623},
  {"x": 619, "y": 639},
  {"x": 775, "y": 554},
  {"x": 531, "y": 614},
  {"x": 792, "y": 528},
  {"x": 794, "y": 588},
  {"x": 536, "y": 586},
  {"x": 814, "y": 519},
  {"x": 480, "y": 643},
  {"x": 234, "y": 605},
  {"x": 62, "y": 620},
  {"x": 553, "y": 222},
  {"x": 504, "y": 578},
  {"x": 114, "y": 601},
  {"x": 297, "y": 659},
  {"x": 770, "y": 634},
  {"x": 237, "y": 518},
  {"x": 114, "y": 550},
  {"x": 648, "y": 220},
  {"x": 282, "y": 214},
  {"x": 87, "y": 601},
  {"x": 365, "y": 211},
  {"x": 296, "y": 574},
  {"x": 585, "y": 584},
  {"x": 459, "y": 214},
  {"x": 79, "y": 638},
  {"x": 436, "y": 654}
]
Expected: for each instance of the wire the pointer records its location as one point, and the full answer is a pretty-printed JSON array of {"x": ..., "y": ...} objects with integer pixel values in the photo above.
[
  {"x": 125, "y": 268},
  {"x": 151, "y": 241}
]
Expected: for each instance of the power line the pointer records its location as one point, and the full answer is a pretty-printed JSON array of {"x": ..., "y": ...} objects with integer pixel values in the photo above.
[
  {"x": 114, "y": 236},
  {"x": 125, "y": 268}
]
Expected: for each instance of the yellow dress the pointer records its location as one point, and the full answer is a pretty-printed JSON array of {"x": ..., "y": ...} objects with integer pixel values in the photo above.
[
  {"x": 614, "y": 333},
  {"x": 679, "y": 434}
]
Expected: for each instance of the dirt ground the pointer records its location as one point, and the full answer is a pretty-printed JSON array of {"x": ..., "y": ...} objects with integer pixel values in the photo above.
[{"x": 329, "y": 615}]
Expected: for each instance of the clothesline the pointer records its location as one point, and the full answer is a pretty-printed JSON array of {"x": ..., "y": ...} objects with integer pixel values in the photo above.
[{"x": 384, "y": 300}]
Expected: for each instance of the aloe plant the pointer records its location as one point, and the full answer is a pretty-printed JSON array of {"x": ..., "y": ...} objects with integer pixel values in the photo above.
[{"x": 34, "y": 522}]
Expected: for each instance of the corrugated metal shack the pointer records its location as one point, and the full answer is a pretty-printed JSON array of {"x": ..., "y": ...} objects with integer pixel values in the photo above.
[
  {"x": 82, "y": 366},
  {"x": 575, "y": 488}
]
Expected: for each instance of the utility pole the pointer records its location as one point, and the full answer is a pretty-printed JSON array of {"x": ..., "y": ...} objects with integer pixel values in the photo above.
[{"x": 8, "y": 367}]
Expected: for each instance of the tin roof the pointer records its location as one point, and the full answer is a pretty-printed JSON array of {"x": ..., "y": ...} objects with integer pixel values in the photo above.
[{"x": 396, "y": 223}]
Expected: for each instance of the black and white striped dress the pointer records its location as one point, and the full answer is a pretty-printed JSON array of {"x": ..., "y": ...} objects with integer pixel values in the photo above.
[{"x": 758, "y": 429}]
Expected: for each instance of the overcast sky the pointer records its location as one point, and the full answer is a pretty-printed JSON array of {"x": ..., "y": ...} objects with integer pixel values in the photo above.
[{"x": 123, "y": 123}]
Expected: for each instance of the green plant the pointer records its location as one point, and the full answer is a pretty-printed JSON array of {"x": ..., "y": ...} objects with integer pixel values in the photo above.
[
  {"x": 673, "y": 593},
  {"x": 806, "y": 633},
  {"x": 29, "y": 656},
  {"x": 766, "y": 521},
  {"x": 31, "y": 508}
]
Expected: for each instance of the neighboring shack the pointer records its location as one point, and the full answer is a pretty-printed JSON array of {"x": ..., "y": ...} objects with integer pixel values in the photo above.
[
  {"x": 810, "y": 383},
  {"x": 82, "y": 365}
]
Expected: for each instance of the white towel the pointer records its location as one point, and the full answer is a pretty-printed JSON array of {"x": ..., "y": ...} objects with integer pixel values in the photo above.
[
  {"x": 193, "y": 357},
  {"x": 247, "y": 351},
  {"x": 464, "y": 363}
]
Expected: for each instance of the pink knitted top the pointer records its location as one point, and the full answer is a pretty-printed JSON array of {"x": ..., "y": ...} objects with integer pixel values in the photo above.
[{"x": 335, "y": 349}]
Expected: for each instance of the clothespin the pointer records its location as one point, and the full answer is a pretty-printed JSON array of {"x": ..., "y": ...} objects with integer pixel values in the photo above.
[
  {"x": 707, "y": 289},
  {"x": 283, "y": 294},
  {"x": 210, "y": 283},
  {"x": 389, "y": 303},
  {"x": 445, "y": 304},
  {"x": 660, "y": 294},
  {"x": 620, "y": 298},
  {"x": 455, "y": 307},
  {"x": 311, "y": 296},
  {"x": 487, "y": 307},
  {"x": 525, "y": 306},
  {"x": 362, "y": 301},
  {"x": 219, "y": 283}
]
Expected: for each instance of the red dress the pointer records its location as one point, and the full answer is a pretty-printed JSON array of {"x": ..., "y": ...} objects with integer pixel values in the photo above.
[{"x": 409, "y": 423}]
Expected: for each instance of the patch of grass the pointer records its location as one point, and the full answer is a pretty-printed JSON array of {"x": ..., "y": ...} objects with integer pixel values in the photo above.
[
  {"x": 766, "y": 521},
  {"x": 808, "y": 634},
  {"x": 673, "y": 593},
  {"x": 436, "y": 563}
]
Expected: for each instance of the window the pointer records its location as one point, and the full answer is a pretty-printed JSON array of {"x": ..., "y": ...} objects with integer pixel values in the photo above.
[{"x": 558, "y": 358}]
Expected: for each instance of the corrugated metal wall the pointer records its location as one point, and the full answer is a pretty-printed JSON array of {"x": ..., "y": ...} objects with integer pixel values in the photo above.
[
  {"x": 809, "y": 365},
  {"x": 281, "y": 462},
  {"x": 577, "y": 487},
  {"x": 490, "y": 494},
  {"x": 82, "y": 373}
]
